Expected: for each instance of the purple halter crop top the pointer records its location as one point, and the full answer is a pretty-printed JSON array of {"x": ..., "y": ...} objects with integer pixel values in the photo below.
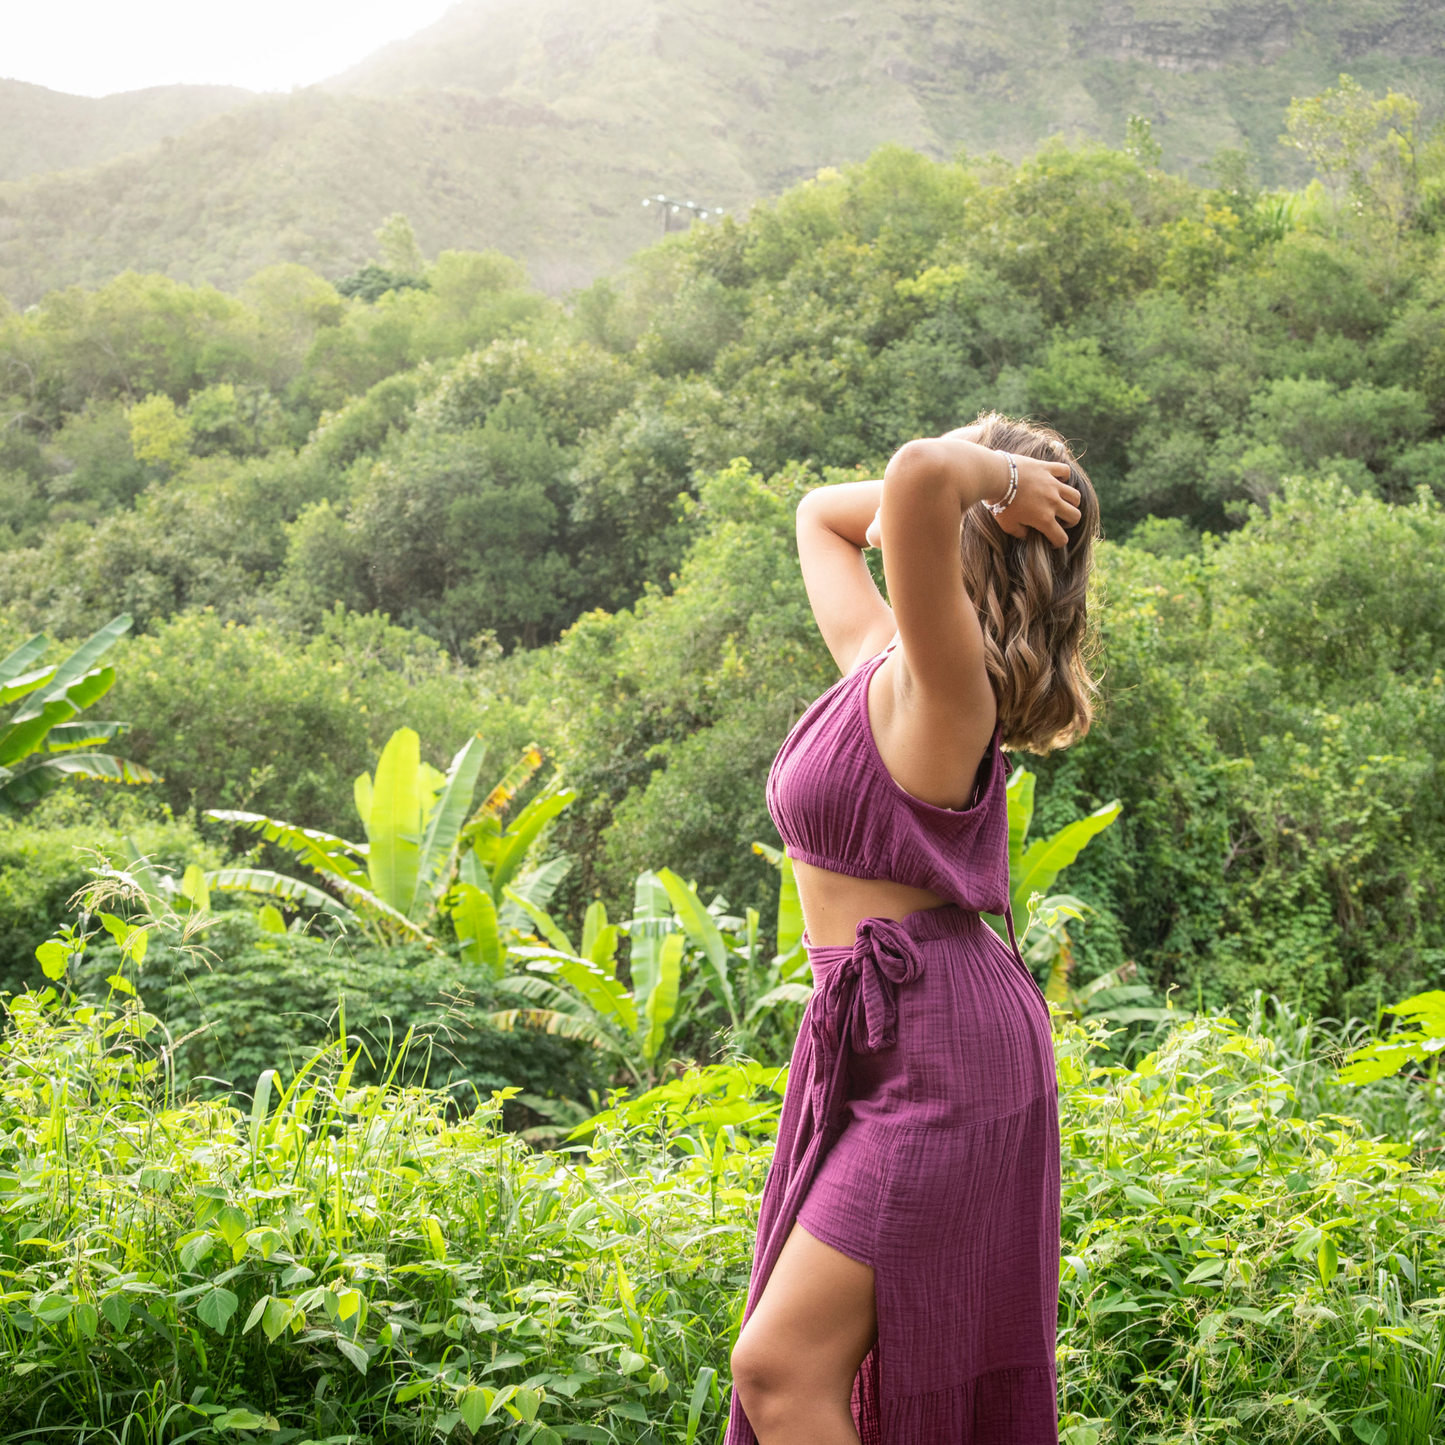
[{"x": 838, "y": 807}]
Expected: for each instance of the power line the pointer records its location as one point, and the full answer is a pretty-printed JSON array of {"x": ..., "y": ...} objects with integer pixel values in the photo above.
[{"x": 671, "y": 208}]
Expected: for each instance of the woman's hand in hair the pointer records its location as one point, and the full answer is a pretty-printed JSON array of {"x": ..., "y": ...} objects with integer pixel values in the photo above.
[{"x": 1045, "y": 501}]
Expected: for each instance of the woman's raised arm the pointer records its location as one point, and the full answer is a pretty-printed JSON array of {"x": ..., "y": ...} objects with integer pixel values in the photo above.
[
  {"x": 927, "y": 488},
  {"x": 832, "y": 525}
]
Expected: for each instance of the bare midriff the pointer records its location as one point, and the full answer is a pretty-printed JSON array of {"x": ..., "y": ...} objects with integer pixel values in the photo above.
[{"x": 835, "y": 904}]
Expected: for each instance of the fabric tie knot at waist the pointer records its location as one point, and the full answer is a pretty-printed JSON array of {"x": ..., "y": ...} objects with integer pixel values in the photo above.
[{"x": 856, "y": 1003}]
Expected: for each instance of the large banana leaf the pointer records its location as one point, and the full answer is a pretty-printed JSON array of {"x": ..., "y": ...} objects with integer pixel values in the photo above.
[
  {"x": 1044, "y": 859},
  {"x": 379, "y": 910},
  {"x": 513, "y": 844},
  {"x": 361, "y": 792},
  {"x": 704, "y": 932},
  {"x": 790, "y": 908},
  {"x": 661, "y": 1003},
  {"x": 12, "y": 666},
  {"x": 600, "y": 938},
  {"x": 543, "y": 922},
  {"x": 33, "y": 727},
  {"x": 25, "y": 682},
  {"x": 650, "y": 926},
  {"x": 564, "y": 1013},
  {"x": 91, "y": 688},
  {"x": 277, "y": 885},
  {"x": 316, "y": 849},
  {"x": 1020, "y": 814},
  {"x": 79, "y": 663},
  {"x": 605, "y": 996},
  {"x": 475, "y": 918},
  {"x": 784, "y": 993},
  {"x": 394, "y": 825},
  {"x": 559, "y": 1022},
  {"x": 445, "y": 824},
  {"x": 26, "y": 733},
  {"x": 84, "y": 734},
  {"x": 26, "y": 787},
  {"x": 537, "y": 885}
]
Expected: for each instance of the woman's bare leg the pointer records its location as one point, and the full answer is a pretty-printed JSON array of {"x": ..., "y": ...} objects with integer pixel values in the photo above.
[{"x": 798, "y": 1354}]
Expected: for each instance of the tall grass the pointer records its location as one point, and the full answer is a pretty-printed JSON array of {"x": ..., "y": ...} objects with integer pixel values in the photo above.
[
  {"x": 341, "y": 1263},
  {"x": 349, "y": 1262}
]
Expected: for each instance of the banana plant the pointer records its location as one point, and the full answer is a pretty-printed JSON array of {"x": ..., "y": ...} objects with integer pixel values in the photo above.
[
  {"x": 492, "y": 889},
  {"x": 790, "y": 972},
  {"x": 42, "y": 743},
  {"x": 575, "y": 993},
  {"x": 1034, "y": 867},
  {"x": 688, "y": 961},
  {"x": 1114, "y": 997},
  {"x": 419, "y": 839}
]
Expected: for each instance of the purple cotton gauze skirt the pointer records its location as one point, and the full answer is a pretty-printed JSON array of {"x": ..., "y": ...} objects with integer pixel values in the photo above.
[{"x": 920, "y": 1135}]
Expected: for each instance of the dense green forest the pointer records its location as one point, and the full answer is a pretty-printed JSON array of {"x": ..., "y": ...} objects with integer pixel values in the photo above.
[
  {"x": 550, "y": 505},
  {"x": 339, "y": 560}
]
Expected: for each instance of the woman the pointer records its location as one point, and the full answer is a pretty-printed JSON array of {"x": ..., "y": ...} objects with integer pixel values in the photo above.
[{"x": 905, "y": 1287}]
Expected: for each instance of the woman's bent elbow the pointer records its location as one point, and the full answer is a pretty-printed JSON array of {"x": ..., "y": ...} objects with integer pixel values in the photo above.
[{"x": 912, "y": 461}]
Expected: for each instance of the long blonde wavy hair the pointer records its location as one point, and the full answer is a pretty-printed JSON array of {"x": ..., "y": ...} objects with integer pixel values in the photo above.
[{"x": 1032, "y": 601}]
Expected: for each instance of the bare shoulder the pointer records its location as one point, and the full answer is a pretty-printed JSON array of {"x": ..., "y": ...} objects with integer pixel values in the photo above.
[{"x": 931, "y": 740}]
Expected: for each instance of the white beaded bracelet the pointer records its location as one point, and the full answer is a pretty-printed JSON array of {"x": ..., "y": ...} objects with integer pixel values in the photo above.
[{"x": 998, "y": 508}]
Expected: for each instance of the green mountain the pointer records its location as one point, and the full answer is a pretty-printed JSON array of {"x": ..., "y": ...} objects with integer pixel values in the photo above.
[
  {"x": 538, "y": 128},
  {"x": 45, "y": 130}
]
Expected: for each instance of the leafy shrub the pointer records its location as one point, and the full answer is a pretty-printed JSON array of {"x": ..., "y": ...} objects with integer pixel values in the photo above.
[
  {"x": 1229, "y": 1266},
  {"x": 344, "y": 1260},
  {"x": 257, "y": 718},
  {"x": 245, "y": 1000},
  {"x": 1231, "y": 1270},
  {"x": 46, "y": 858}
]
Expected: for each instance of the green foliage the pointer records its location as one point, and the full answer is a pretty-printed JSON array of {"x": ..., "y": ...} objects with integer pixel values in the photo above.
[
  {"x": 46, "y": 857},
  {"x": 41, "y": 744},
  {"x": 1420, "y": 1043},
  {"x": 259, "y": 720},
  {"x": 696, "y": 972},
  {"x": 1229, "y": 1262},
  {"x": 419, "y": 843},
  {"x": 245, "y": 999},
  {"x": 1043, "y": 917},
  {"x": 489, "y": 472},
  {"x": 372, "y": 282},
  {"x": 1364, "y": 149},
  {"x": 1229, "y": 1265}
]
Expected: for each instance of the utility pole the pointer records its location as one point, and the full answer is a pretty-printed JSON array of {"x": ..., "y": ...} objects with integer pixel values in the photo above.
[{"x": 671, "y": 208}]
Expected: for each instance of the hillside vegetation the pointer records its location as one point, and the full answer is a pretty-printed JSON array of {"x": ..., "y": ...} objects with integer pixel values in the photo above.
[
  {"x": 548, "y": 507},
  {"x": 46, "y": 130},
  {"x": 311, "y": 1072},
  {"x": 538, "y": 129}
]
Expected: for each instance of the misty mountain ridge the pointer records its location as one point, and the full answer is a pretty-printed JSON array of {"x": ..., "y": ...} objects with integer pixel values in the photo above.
[
  {"x": 538, "y": 127},
  {"x": 45, "y": 130}
]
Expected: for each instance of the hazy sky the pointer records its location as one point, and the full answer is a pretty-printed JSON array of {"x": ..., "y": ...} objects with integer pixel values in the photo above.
[{"x": 95, "y": 47}]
